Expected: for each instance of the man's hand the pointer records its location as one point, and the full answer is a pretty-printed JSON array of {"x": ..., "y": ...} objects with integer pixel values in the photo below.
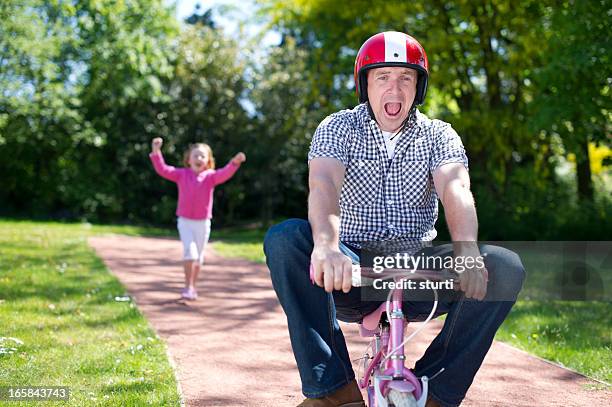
[
  {"x": 474, "y": 276},
  {"x": 156, "y": 144},
  {"x": 332, "y": 269},
  {"x": 239, "y": 158}
]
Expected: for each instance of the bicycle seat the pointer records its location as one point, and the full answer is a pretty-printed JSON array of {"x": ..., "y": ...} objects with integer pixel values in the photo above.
[{"x": 370, "y": 321}]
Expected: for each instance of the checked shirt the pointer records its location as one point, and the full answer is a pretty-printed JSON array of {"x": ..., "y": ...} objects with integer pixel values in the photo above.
[{"x": 384, "y": 199}]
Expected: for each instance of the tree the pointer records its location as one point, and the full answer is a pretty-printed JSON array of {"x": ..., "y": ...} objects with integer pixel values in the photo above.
[
  {"x": 77, "y": 76},
  {"x": 286, "y": 119},
  {"x": 574, "y": 101},
  {"x": 36, "y": 106},
  {"x": 204, "y": 18}
]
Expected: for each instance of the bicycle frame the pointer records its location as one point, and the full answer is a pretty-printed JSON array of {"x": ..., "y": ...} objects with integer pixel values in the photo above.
[{"x": 387, "y": 371}]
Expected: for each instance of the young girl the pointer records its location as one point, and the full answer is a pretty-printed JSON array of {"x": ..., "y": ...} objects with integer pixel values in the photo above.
[{"x": 196, "y": 184}]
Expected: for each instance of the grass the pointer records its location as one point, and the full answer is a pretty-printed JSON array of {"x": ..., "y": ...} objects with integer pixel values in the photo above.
[
  {"x": 64, "y": 307},
  {"x": 240, "y": 242},
  {"x": 575, "y": 334}
]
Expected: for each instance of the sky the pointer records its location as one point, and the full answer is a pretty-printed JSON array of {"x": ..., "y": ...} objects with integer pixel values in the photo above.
[
  {"x": 184, "y": 8},
  {"x": 237, "y": 10}
]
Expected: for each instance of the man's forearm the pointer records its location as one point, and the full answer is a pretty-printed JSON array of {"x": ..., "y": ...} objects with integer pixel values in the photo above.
[
  {"x": 324, "y": 214},
  {"x": 462, "y": 222},
  {"x": 460, "y": 212}
]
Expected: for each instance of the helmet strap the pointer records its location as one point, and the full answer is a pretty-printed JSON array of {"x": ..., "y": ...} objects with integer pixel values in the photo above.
[
  {"x": 370, "y": 111},
  {"x": 410, "y": 118}
]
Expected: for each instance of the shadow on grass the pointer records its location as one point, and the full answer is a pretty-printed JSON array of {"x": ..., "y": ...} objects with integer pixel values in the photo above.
[
  {"x": 134, "y": 387},
  {"x": 68, "y": 286}
]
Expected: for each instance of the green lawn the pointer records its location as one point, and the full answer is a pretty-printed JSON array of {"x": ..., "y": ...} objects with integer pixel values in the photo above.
[
  {"x": 73, "y": 325},
  {"x": 575, "y": 334},
  {"x": 239, "y": 242}
]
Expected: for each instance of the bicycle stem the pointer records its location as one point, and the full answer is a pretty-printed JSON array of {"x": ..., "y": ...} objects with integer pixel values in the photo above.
[{"x": 397, "y": 331}]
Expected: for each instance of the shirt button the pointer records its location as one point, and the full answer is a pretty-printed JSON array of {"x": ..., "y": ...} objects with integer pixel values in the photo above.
[
  {"x": 390, "y": 225},
  {"x": 361, "y": 163},
  {"x": 390, "y": 202}
]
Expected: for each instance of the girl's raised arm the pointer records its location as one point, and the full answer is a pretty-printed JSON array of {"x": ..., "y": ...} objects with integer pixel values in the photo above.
[
  {"x": 225, "y": 173},
  {"x": 166, "y": 171}
]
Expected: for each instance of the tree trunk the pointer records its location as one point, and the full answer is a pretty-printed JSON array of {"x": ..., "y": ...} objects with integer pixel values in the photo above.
[{"x": 583, "y": 172}]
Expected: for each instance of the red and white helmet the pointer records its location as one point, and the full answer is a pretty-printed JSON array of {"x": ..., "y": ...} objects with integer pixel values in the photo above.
[{"x": 391, "y": 48}]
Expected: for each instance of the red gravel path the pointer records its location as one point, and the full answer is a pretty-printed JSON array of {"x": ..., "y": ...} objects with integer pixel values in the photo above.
[{"x": 231, "y": 346}]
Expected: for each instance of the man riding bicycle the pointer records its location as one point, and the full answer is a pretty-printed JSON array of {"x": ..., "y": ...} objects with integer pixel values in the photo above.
[{"x": 376, "y": 173}]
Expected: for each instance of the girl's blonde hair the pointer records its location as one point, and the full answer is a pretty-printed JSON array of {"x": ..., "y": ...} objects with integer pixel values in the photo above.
[{"x": 211, "y": 158}]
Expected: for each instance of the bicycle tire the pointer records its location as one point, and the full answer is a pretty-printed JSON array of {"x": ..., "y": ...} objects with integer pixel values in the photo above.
[{"x": 397, "y": 398}]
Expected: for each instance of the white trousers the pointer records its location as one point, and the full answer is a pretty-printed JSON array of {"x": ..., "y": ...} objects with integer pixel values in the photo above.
[{"x": 194, "y": 236}]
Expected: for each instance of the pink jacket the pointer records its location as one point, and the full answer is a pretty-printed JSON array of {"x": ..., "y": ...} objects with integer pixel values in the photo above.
[{"x": 195, "y": 198}]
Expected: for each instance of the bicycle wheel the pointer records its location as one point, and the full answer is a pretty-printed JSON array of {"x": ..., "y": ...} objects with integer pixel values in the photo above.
[{"x": 401, "y": 399}]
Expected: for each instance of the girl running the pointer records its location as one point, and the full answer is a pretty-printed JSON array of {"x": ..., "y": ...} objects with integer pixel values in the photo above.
[{"x": 196, "y": 183}]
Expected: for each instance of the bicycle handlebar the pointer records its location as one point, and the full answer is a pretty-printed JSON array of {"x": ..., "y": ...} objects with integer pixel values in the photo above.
[{"x": 368, "y": 272}]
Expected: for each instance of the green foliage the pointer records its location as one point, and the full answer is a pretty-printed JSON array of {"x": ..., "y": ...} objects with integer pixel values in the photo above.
[
  {"x": 78, "y": 72},
  {"x": 87, "y": 84},
  {"x": 287, "y": 115},
  {"x": 35, "y": 106},
  {"x": 574, "y": 83}
]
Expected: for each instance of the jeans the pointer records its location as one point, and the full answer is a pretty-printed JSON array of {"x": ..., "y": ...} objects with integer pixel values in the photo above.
[{"x": 318, "y": 343}]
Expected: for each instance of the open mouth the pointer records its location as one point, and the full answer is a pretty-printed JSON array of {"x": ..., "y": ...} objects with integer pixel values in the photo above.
[{"x": 392, "y": 108}]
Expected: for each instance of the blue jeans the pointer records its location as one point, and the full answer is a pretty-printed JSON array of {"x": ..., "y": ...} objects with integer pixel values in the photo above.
[{"x": 318, "y": 343}]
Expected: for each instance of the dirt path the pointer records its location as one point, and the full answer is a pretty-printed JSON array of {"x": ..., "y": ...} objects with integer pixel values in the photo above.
[{"x": 231, "y": 346}]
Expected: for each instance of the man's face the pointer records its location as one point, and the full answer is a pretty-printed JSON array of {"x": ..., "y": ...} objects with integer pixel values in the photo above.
[{"x": 391, "y": 91}]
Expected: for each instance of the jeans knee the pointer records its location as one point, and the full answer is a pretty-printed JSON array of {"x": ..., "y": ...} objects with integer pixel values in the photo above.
[
  {"x": 506, "y": 271},
  {"x": 283, "y": 236},
  {"x": 287, "y": 247}
]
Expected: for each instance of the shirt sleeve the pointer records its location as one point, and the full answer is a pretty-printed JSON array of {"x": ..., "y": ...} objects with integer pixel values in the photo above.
[
  {"x": 225, "y": 173},
  {"x": 164, "y": 170},
  {"x": 331, "y": 139},
  {"x": 448, "y": 148}
]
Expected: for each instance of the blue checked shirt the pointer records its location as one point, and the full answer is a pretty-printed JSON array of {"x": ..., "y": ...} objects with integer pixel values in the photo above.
[{"x": 384, "y": 199}]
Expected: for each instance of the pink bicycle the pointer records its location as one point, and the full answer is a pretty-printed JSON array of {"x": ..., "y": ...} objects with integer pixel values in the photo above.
[{"x": 388, "y": 381}]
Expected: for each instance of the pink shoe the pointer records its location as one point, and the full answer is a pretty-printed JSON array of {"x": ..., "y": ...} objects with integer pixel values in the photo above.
[{"x": 189, "y": 294}]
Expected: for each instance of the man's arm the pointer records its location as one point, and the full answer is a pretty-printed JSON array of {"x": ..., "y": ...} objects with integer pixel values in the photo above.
[
  {"x": 452, "y": 183},
  {"x": 332, "y": 268}
]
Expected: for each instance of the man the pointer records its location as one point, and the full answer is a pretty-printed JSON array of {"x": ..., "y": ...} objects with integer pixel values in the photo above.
[{"x": 375, "y": 174}]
